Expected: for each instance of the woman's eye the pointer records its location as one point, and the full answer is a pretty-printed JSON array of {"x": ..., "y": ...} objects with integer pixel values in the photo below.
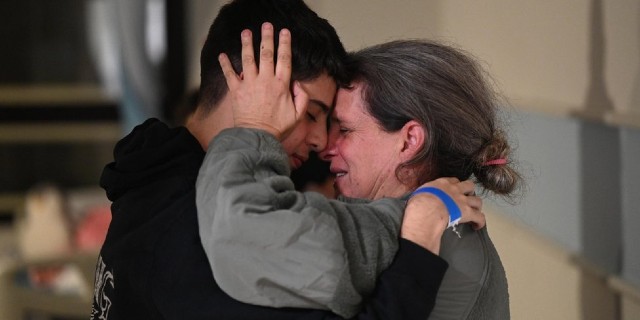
[{"x": 343, "y": 130}]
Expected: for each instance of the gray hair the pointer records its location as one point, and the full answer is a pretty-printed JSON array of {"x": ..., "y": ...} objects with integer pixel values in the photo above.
[{"x": 444, "y": 90}]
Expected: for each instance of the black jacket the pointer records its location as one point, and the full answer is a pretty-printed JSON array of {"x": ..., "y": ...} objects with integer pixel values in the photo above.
[{"x": 152, "y": 264}]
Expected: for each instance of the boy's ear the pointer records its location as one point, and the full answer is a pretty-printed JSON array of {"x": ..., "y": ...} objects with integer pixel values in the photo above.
[{"x": 414, "y": 136}]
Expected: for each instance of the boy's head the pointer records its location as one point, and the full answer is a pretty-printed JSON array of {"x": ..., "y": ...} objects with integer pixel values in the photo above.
[{"x": 315, "y": 46}]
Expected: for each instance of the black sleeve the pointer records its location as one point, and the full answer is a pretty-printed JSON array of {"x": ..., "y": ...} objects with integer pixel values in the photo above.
[
  {"x": 408, "y": 288},
  {"x": 405, "y": 291}
]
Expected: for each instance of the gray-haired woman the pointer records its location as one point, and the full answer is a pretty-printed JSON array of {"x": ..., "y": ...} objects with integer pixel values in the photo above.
[{"x": 415, "y": 111}]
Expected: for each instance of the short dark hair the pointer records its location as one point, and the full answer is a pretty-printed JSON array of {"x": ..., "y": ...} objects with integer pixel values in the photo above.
[
  {"x": 315, "y": 45},
  {"x": 447, "y": 92}
]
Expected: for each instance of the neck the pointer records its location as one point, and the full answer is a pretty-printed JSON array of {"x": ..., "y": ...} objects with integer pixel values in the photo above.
[
  {"x": 397, "y": 191},
  {"x": 206, "y": 126},
  {"x": 387, "y": 185},
  {"x": 396, "y": 186}
]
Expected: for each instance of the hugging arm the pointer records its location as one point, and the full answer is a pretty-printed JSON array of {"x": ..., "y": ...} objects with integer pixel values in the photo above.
[{"x": 270, "y": 245}]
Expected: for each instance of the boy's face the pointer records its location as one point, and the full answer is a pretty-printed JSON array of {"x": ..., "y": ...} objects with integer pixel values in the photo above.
[{"x": 310, "y": 134}]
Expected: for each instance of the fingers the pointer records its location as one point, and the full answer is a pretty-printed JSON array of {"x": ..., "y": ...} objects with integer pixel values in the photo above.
[
  {"x": 472, "y": 212},
  {"x": 261, "y": 94},
  {"x": 283, "y": 65},
  {"x": 463, "y": 194},
  {"x": 248, "y": 63},
  {"x": 480, "y": 224},
  {"x": 479, "y": 220},
  {"x": 266, "y": 49},
  {"x": 227, "y": 69},
  {"x": 266, "y": 65},
  {"x": 467, "y": 187},
  {"x": 474, "y": 202}
]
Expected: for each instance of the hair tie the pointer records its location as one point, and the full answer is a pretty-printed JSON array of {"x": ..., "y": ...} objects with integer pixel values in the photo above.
[{"x": 495, "y": 162}]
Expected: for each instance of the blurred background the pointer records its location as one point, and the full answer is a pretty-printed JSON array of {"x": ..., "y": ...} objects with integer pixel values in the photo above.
[{"x": 76, "y": 75}]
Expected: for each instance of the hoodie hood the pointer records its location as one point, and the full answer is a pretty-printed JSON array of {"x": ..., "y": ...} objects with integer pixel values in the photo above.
[
  {"x": 150, "y": 152},
  {"x": 151, "y": 182},
  {"x": 154, "y": 227}
]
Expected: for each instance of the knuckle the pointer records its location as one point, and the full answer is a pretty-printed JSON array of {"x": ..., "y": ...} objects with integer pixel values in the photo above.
[
  {"x": 247, "y": 59},
  {"x": 266, "y": 54},
  {"x": 284, "y": 56}
]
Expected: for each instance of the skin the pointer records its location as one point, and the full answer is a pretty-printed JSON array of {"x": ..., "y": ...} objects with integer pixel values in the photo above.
[
  {"x": 359, "y": 147},
  {"x": 311, "y": 132}
]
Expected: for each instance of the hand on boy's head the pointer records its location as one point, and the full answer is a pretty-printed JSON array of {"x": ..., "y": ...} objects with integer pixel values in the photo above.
[{"x": 261, "y": 97}]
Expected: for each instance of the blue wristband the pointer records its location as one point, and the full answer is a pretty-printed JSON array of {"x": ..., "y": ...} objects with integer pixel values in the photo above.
[{"x": 452, "y": 207}]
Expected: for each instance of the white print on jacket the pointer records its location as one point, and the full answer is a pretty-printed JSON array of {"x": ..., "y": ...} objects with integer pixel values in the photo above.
[{"x": 101, "y": 302}]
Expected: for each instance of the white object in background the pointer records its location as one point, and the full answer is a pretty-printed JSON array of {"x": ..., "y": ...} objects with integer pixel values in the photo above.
[{"x": 43, "y": 231}]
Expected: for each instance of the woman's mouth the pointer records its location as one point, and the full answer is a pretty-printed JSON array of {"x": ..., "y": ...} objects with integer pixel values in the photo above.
[
  {"x": 339, "y": 181},
  {"x": 339, "y": 173}
]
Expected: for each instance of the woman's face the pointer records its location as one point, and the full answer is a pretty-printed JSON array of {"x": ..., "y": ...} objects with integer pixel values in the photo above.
[
  {"x": 311, "y": 132},
  {"x": 363, "y": 157}
]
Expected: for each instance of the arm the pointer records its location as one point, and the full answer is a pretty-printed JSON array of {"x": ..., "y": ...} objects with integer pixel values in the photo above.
[
  {"x": 281, "y": 232},
  {"x": 270, "y": 245},
  {"x": 248, "y": 174}
]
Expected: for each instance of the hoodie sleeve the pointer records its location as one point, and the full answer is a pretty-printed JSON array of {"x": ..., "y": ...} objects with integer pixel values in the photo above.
[{"x": 270, "y": 245}]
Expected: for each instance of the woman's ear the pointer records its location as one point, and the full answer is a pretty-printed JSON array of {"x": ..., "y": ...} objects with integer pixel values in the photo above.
[{"x": 414, "y": 136}]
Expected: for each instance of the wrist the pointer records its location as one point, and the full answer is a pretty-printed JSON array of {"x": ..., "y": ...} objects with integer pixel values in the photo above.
[
  {"x": 451, "y": 207},
  {"x": 425, "y": 221}
]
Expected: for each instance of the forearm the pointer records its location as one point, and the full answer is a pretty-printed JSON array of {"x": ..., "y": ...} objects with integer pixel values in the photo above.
[{"x": 424, "y": 222}]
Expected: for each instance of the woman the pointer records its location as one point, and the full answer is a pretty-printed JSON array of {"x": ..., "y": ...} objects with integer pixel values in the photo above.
[
  {"x": 433, "y": 98},
  {"x": 393, "y": 169}
]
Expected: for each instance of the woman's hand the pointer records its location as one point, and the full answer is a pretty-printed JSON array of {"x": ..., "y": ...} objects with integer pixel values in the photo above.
[
  {"x": 426, "y": 216},
  {"x": 261, "y": 96}
]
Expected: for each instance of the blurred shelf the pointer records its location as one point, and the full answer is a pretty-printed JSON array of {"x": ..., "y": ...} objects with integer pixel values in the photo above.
[
  {"x": 71, "y": 132},
  {"x": 69, "y": 95}
]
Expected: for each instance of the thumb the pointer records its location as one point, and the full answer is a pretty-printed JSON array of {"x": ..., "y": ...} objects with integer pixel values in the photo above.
[{"x": 300, "y": 100}]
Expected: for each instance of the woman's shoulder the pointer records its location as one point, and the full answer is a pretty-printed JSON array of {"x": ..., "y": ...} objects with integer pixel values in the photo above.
[{"x": 475, "y": 279}]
